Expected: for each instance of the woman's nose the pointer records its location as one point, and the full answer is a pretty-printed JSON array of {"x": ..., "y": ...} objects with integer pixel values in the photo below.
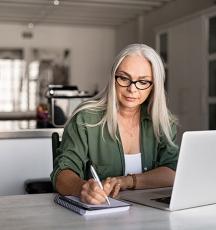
[{"x": 132, "y": 87}]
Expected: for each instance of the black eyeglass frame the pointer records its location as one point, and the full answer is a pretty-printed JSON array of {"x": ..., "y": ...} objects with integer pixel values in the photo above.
[{"x": 133, "y": 82}]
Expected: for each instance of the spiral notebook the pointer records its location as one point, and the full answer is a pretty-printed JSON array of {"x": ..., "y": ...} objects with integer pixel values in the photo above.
[{"x": 73, "y": 203}]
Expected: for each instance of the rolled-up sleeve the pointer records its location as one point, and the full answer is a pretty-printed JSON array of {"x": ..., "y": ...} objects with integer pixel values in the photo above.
[{"x": 73, "y": 151}]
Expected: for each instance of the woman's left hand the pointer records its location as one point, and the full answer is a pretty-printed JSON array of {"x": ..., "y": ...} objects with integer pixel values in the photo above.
[{"x": 113, "y": 185}]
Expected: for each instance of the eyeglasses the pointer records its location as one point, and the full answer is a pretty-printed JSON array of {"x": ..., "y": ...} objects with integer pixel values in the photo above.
[{"x": 140, "y": 84}]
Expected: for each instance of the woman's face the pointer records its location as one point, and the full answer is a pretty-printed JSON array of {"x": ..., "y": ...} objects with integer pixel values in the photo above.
[{"x": 134, "y": 68}]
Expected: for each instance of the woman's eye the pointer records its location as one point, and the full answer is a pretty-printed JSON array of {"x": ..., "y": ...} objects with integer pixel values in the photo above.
[
  {"x": 143, "y": 82},
  {"x": 124, "y": 78}
]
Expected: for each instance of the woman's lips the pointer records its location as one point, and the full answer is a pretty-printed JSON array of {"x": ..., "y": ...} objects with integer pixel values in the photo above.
[{"x": 130, "y": 98}]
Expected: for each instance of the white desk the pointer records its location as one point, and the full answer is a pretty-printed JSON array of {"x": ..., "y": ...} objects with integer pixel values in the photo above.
[{"x": 40, "y": 212}]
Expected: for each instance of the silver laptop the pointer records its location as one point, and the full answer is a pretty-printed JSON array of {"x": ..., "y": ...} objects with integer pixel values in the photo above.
[{"x": 195, "y": 176}]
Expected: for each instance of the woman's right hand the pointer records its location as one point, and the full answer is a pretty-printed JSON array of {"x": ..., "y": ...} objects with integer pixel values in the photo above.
[{"x": 91, "y": 193}]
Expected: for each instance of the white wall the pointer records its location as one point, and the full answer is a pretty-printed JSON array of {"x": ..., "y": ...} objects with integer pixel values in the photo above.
[
  {"x": 92, "y": 49},
  {"x": 187, "y": 79},
  {"x": 128, "y": 32},
  {"x": 170, "y": 12}
]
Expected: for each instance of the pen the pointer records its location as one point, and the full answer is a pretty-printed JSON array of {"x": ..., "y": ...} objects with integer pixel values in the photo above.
[{"x": 96, "y": 178}]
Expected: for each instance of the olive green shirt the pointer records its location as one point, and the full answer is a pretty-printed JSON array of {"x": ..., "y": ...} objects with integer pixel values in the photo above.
[{"x": 82, "y": 144}]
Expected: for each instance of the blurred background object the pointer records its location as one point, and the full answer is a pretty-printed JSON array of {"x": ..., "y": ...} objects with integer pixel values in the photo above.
[
  {"x": 74, "y": 43},
  {"x": 62, "y": 100}
]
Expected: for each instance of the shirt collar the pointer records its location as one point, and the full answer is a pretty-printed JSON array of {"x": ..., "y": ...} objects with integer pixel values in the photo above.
[{"x": 144, "y": 112}]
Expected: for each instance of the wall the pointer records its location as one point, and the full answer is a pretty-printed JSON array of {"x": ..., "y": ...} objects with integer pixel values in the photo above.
[
  {"x": 187, "y": 79},
  {"x": 92, "y": 49},
  {"x": 128, "y": 33},
  {"x": 171, "y": 12}
]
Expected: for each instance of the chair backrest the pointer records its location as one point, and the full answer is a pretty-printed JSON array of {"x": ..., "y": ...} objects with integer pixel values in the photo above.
[{"x": 55, "y": 144}]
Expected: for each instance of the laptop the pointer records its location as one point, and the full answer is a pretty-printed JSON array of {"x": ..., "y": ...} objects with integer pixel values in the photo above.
[{"x": 195, "y": 178}]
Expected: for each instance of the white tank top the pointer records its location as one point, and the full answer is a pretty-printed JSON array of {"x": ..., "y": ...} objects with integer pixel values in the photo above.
[{"x": 133, "y": 164}]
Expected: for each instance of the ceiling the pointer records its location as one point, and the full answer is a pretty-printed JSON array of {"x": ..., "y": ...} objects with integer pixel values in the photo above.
[{"x": 75, "y": 12}]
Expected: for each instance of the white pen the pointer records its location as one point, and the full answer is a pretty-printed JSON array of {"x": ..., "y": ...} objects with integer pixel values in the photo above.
[{"x": 96, "y": 178}]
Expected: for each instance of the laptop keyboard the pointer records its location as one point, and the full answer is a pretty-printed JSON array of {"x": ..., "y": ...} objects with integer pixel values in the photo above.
[
  {"x": 165, "y": 200},
  {"x": 167, "y": 192}
]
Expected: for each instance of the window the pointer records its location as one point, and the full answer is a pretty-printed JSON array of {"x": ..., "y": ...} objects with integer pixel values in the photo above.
[
  {"x": 14, "y": 90},
  {"x": 212, "y": 78},
  {"x": 162, "y": 47},
  {"x": 11, "y": 75},
  {"x": 212, "y": 73},
  {"x": 25, "y": 76},
  {"x": 212, "y": 35}
]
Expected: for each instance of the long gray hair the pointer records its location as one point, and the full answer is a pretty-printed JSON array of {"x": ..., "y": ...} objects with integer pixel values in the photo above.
[{"x": 106, "y": 100}]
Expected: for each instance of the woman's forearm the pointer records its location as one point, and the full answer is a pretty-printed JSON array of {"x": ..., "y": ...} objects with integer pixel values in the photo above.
[
  {"x": 69, "y": 183},
  {"x": 158, "y": 177}
]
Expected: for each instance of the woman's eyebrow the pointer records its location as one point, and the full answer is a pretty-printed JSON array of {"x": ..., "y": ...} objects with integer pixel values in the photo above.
[
  {"x": 123, "y": 72},
  {"x": 128, "y": 75}
]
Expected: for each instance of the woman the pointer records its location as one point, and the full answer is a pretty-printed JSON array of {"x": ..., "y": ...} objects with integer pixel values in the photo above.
[{"x": 126, "y": 132}]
